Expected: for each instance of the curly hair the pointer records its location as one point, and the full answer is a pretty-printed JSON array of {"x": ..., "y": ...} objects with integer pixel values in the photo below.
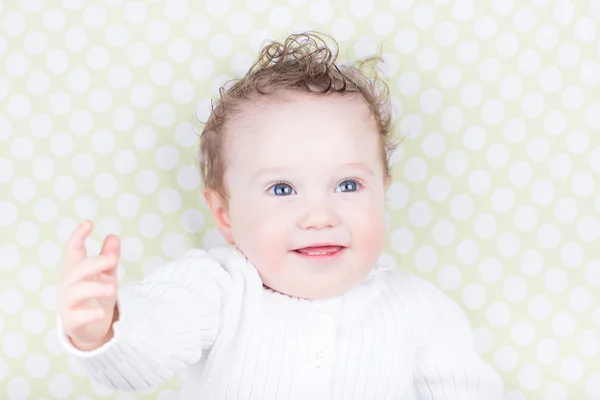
[{"x": 303, "y": 62}]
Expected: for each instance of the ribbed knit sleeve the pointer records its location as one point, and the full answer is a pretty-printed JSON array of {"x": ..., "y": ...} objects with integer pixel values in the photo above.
[
  {"x": 447, "y": 364},
  {"x": 165, "y": 323}
]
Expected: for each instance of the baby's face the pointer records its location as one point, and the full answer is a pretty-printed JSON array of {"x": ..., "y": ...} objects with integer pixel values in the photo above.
[{"x": 302, "y": 172}]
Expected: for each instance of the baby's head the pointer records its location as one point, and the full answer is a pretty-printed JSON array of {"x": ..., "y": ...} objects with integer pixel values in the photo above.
[{"x": 295, "y": 155}]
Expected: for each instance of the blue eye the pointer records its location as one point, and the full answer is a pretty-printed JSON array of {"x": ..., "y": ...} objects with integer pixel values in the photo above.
[
  {"x": 281, "y": 189},
  {"x": 348, "y": 185}
]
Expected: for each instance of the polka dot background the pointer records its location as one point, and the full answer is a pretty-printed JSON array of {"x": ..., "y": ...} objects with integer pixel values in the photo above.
[{"x": 496, "y": 192}]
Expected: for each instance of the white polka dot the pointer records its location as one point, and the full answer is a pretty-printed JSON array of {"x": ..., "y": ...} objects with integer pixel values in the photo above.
[
  {"x": 220, "y": 45},
  {"x": 568, "y": 55},
  {"x": 467, "y": 251},
  {"x": 449, "y": 76},
  {"x": 64, "y": 187},
  {"x": 438, "y": 188},
  {"x": 490, "y": 270},
  {"x": 94, "y": 16},
  {"x": 361, "y": 9},
  {"x": 431, "y": 101},
  {"x": 467, "y": 51},
  {"x": 592, "y": 273},
  {"x": 511, "y": 87},
  {"x": 539, "y": 306},
  {"x": 401, "y": 5},
  {"x": 169, "y": 200},
  {"x": 548, "y": 236},
  {"x": 538, "y": 148},
  {"x": 502, "y": 200},
  {"x": 563, "y": 11},
  {"x": 425, "y": 258},
  {"x": 546, "y": 37},
  {"x": 163, "y": 115},
  {"x": 415, "y": 169},
  {"x": 520, "y": 174},
  {"x": 471, "y": 94},
  {"x": 563, "y": 325},
  {"x": 17, "y": 65},
  {"x": 507, "y": 44},
  {"x": 452, "y": 119},
  {"x": 198, "y": 26},
  {"x": 427, "y": 58},
  {"x": 37, "y": 365},
  {"x": 555, "y": 122},
  {"x": 502, "y": 7},
  {"x": 14, "y": 345},
  {"x": 122, "y": 119},
  {"x": 505, "y": 358},
  {"x": 546, "y": 350},
  {"x": 419, "y": 214},
  {"x": 280, "y": 17},
  {"x": 497, "y": 155},
  {"x": 37, "y": 83},
  {"x": 423, "y": 16},
  {"x": 594, "y": 159},
  {"x": 571, "y": 369},
  {"x": 179, "y": 50},
  {"x": 483, "y": 339},
  {"x": 449, "y": 277},
  {"x": 587, "y": 343},
  {"x": 515, "y": 288},
  {"x": 23, "y": 190},
  {"x": 589, "y": 73},
  {"x": 18, "y": 388},
  {"x": 22, "y": 148},
  {"x": 580, "y": 299},
  {"x": 592, "y": 384},
  {"x": 572, "y": 98},
  {"x": 406, "y": 41},
  {"x": 443, "y": 232},
  {"x": 543, "y": 192},
  {"x": 116, "y": 36},
  {"x": 60, "y": 386},
  {"x": 485, "y": 27},
  {"x": 583, "y": 184},
  {"x": 402, "y": 240},
  {"x": 508, "y": 244},
  {"x": 523, "y": 333},
  {"x": 474, "y": 138},
  {"x": 550, "y": 79},
  {"x": 498, "y": 314},
  {"x": 591, "y": 116},
  {"x": 19, "y": 106},
  {"x": 445, "y": 34},
  {"x": 135, "y": 12},
  {"x": 524, "y": 19},
  {"x": 530, "y": 377},
  {"x": 461, "y": 207},
  {"x": 462, "y": 10},
  {"x": 240, "y": 22},
  {"x": 480, "y": 181},
  {"x": 473, "y": 296},
  {"x": 585, "y": 30},
  {"x": 409, "y": 83},
  {"x": 484, "y": 226},
  {"x": 34, "y": 321},
  {"x": 343, "y": 29},
  {"x": 138, "y": 54},
  {"x": 321, "y": 12},
  {"x": 147, "y": 181},
  {"x": 176, "y": 10}
]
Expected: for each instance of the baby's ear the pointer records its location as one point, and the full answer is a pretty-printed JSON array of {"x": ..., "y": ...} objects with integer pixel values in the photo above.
[
  {"x": 220, "y": 213},
  {"x": 387, "y": 180}
]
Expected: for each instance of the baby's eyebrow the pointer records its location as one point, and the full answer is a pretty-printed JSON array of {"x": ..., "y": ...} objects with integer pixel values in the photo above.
[{"x": 279, "y": 170}]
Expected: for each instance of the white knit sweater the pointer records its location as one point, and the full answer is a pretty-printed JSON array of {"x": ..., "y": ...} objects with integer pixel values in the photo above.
[{"x": 207, "y": 315}]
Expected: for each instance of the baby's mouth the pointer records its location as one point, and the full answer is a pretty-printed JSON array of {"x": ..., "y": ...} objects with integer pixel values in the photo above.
[{"x": 327, "y": 250}]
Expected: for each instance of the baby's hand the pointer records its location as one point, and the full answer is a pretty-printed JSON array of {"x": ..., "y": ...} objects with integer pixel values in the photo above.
[{"x": 87, "y": 290}]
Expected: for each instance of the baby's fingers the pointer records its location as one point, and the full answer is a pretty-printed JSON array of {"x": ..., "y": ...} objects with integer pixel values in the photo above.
[
  {"x": 90, "y": 267},
  {"x": 78, "y": 319},
  {"x": 75, "y": 246},
  {"x": 87, "y": 290}
]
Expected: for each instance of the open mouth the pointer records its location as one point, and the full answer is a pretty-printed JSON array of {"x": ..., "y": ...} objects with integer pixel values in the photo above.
[{"x": 324, "y": 251}]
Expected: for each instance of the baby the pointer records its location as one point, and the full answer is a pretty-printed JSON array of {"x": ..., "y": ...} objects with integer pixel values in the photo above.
[{"x": 299, "y": 305}]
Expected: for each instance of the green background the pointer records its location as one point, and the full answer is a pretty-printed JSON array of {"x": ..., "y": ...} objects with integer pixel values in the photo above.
[{"x": 496, "y": 188}]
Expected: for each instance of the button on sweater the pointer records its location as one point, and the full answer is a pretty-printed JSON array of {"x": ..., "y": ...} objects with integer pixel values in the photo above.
[{"x": 207, "y": 317}]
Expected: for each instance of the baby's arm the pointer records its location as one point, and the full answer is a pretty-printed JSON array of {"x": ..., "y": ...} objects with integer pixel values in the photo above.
[
  {"x": 164, "y": 324},
  {"x": 447, "y": 364}
]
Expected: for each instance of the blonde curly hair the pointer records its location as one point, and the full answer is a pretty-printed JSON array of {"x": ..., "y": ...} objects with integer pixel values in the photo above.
[{"x": 303, "y": 62}]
